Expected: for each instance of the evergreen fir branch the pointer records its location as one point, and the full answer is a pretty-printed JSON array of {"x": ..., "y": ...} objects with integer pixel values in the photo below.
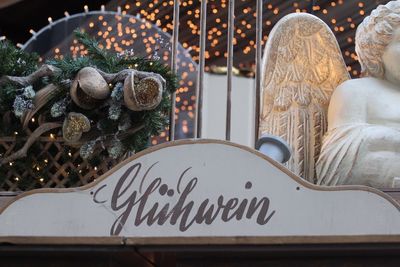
[
  {"x": 16, "y": 62},
  {"x": 7, "y": 96},
  {"x": 100, "y": 57},
  {"x": 69, "y": 67}
]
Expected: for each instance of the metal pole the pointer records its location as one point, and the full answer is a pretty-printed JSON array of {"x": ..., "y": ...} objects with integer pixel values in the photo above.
[
  {"x": 259, "y": 13},
  {"x": 200, "y": 76},
  {"x": 175, "y": 35},
  {"x": 311, "y": 8},
  {"x": 231, "y": 26}
]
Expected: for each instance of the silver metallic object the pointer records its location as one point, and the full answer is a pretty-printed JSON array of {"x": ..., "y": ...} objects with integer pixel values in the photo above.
[
  {"x": 274, "y": 147},
  {"x": 200, "y": 77},
  {"x": 258, "y": 60},
  {"x": 174, "y": 67},
  {"x": 231, "y": 26}
]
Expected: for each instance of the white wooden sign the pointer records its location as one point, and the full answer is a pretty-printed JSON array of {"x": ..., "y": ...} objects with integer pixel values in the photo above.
[{"x": 201, "y": 189}]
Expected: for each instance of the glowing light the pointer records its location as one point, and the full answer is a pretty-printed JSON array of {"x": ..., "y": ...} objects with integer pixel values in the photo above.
[{"x": 121, "y": 35}]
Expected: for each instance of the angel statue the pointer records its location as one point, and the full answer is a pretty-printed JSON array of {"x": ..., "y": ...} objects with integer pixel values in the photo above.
[
  {"x": 357, "y": 139},
  {"x": 302, "y": 66},
  {"x": 362, "y": 145}
]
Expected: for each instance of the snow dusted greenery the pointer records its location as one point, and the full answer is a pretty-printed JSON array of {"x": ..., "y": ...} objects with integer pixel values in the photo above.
[
  {"x": 21, "y": 105},
  {"x": 28, "y": 92},
  {"x": 117, "y": 95},
  {"x": 116, "y": 149},
  {"x": 87, "y": 149},
  {"x": 59, "y": 108}
]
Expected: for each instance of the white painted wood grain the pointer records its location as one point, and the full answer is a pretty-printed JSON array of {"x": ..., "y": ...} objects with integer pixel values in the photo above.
[{"x": 222, "y": 169}]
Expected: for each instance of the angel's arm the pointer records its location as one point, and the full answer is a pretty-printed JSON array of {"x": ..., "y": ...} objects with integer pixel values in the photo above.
[{"x": 347, "y": 105}]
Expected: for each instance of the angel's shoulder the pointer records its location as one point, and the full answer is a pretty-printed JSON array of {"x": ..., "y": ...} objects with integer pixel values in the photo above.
[
  {"x": 348, "y": 103},
  {"x": 354, "y": 88}
]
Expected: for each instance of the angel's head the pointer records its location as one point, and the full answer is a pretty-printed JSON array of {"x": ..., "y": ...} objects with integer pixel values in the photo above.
[{"x": 375, "y": 35}]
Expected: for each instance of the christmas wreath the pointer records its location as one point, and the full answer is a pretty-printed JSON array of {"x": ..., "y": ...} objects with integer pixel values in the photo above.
[{"x": 105, "y": 104}]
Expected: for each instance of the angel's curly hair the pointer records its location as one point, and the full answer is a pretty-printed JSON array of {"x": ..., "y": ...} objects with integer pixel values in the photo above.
[{"x": 373, "y": 36}]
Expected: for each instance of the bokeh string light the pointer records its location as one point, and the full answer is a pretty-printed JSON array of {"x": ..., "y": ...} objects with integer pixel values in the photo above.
[
  {"x": 120, "y": 33},
  {"x": 342, "y": 16}
]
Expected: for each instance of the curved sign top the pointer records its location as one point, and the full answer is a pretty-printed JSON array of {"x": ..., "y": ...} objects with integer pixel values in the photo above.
[{"x": 202, "y": 188}]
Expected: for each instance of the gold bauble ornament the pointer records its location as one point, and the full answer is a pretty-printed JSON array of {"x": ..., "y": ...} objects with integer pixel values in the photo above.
[
  {"x": 74, "y": 125},
  {"x": 144, "y": 94},
  {"x": 89, "y": 88}
]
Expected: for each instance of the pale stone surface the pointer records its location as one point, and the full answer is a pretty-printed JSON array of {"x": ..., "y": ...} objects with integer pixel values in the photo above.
[
  {"x": 302, "y": 66},
  {"x": 362, "y": 145}
]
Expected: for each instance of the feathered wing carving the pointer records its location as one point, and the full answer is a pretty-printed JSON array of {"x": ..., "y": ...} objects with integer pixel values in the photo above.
[{"x": 302, "y": 66}]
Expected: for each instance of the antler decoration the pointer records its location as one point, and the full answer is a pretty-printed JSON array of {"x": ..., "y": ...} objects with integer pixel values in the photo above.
[
  {"x": 32, "y": 139},
  {"x": 43, "y": 71}
]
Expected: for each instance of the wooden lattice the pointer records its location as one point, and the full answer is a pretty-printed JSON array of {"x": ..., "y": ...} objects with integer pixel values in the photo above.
[{"x": 58, "y": 167}]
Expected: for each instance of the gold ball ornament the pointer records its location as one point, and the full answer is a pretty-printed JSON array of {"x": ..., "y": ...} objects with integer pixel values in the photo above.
[
  {"x": 144, "y": 94},
  {"x": 74, "y": 125},
  {"x": 89, "y": 88}
]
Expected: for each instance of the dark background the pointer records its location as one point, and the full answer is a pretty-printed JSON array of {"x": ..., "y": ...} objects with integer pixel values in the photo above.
[{"x": 341, "y": 15}]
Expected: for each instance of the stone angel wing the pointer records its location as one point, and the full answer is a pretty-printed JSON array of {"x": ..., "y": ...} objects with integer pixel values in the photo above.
[{"x": 302, "y": 66}]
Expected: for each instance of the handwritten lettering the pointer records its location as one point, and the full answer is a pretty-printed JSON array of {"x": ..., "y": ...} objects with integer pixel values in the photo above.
[{"x": 139, "y": 207}]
